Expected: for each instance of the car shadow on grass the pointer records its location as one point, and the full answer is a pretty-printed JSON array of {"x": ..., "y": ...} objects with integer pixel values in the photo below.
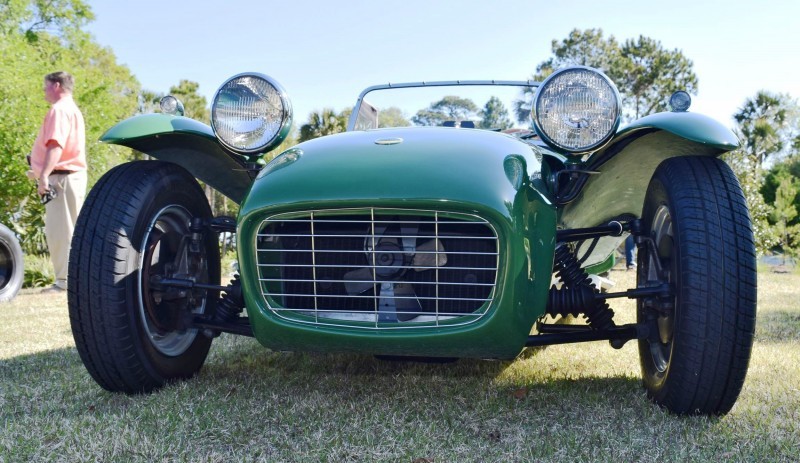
[
  {"x": 339, "y": 395},
  {"x": 352, "y": 377},
  {"x": 242, "y": 354}
]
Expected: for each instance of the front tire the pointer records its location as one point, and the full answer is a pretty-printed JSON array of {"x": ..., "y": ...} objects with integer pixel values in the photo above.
[
  {"x": 702, "y": 246},
  {"x": 133, "y": 335},
  {"x": 12, "y": 271}
]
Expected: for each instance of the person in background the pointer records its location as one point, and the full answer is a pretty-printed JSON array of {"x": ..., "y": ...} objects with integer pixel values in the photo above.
[
  {"x": 630, "y": 247},
  {"x": 58, "y": 165}
]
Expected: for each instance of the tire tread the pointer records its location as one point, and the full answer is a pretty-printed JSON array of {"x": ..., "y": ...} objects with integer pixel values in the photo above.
[{"x": 717, "y": 286}]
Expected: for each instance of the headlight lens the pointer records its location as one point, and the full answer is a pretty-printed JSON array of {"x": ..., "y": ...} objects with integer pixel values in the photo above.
[
  {"x": 171, "y": 105},
  {"x": 680, "y": 101},
  {"x": 251, "y": 113},
  {"x": 576, "y": 109}
]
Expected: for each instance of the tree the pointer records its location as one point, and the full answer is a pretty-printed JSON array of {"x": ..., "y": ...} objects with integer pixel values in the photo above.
[
  {"x": 645, "y": 73},
  {"x": 38, "y": 37},
  {"x": 784, "y": 213},
  {"x": 31, "y": 18},
  {"x": 326, "y": 122},
  {"x": 789, "y": 167},
  {"x": 195, "y": 105},
  {"x": 766, "y": 125},
  {"x": 449, "y": 108},
  {"x": 392, "y": 117},
  {"x": 751, "y": 179},
  {"x": 766, "y": 128},
  {"x": 147, "y": 101},
  {"x": 581, "y": 48},
  {"x": 494, "y": 115}
]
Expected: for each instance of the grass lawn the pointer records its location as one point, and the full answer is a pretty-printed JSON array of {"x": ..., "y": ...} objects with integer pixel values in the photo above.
[{"x": 570, "y": 403}]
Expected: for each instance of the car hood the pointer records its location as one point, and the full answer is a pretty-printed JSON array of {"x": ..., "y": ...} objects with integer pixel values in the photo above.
[{"x": 405, "y": 164}]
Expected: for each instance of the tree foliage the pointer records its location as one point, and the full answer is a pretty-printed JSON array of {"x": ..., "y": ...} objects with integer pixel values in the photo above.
[
  {"x": 494, "y": 115},
  {"x": 784, "y": 215},
  {"x": 325, "y": 122},
  {"x": 449, "y": 108},
  {"x": 645, "y": 73},
  {"x": 581, "y": 48},
  {"x": 392, "y": 117},
  {"x": 147, "y": 101},
  {"x": 648, "y": 75},
  {"x": 766, "y": 125},
  {"x": 751, "y": 178},
  {"x": 38, "y": 37},
  {"x": 781, "y": 189},
  {"x": 789, "y": 167},
  {"x": 33, "y": 17},
  {"x": 195, "y": 105}
]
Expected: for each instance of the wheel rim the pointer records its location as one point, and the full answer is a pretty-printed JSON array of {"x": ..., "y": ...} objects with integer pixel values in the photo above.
[
  {"x": 662, "y": 312},
  {"x": 160, "y": 315}
]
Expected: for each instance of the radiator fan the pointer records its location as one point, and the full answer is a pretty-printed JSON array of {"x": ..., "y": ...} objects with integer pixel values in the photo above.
[{"x": 390, "y": 260}]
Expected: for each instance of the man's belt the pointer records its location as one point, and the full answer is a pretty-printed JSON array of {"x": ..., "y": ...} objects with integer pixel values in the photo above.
[{"x": 62, "y": 172}]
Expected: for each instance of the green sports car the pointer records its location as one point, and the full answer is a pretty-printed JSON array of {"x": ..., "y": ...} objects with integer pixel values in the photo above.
[{"x": 447, "y": 238}]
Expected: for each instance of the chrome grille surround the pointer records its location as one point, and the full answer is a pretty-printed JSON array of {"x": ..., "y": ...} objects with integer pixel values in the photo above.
[{"x": 377, "y": 268}]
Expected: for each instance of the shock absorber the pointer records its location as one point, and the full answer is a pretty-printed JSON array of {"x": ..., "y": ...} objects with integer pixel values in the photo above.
[{"x": 577, "y": 294}]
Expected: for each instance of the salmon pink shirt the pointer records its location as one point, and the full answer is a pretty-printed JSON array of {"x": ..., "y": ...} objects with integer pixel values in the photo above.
[{"x": 64, "y": 125}]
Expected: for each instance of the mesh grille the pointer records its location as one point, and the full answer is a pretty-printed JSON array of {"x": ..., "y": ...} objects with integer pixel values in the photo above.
[{"x": 377, "y": 268}]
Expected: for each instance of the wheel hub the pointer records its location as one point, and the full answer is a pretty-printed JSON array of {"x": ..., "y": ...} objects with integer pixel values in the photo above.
[
  {"x": 658, "y": 270},
  {"x": 167, "y": 312},
  {"x": 665, "y": 326},
  {"x": 161, "y": 311}
]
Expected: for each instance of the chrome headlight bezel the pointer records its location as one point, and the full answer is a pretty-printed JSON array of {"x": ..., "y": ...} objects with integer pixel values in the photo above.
[
  {"x": 266, "y": 114},
  {"x": 576, "y": 110}
]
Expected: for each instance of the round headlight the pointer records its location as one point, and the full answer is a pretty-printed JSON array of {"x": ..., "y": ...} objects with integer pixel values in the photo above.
[
  {"x": 680, "y": 101},
  {"x": 251, "y": 113},
  {"x": 171, "y": 105},
  {"x": 576, "y": 109}
]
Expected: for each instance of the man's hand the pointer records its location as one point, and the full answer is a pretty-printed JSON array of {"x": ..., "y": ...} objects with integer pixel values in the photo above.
[
  {"x": 31, "y": 174},
  {"x": 43, "y": 186}
]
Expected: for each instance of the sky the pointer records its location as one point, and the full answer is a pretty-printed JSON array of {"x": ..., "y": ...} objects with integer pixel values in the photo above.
[{"x": 324, "y": 53}]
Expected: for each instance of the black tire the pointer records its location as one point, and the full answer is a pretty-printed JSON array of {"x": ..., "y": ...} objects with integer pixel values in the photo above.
[
  {"x": 696, "y": 215},
  {"x": 12, "y": 267},
  {"x": 131, "y": 337}
]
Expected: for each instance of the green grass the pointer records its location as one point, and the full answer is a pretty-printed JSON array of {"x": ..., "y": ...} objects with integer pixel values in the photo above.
[
  {"x": 38, "y": 271},
  {"x": 571, "y": 403}
]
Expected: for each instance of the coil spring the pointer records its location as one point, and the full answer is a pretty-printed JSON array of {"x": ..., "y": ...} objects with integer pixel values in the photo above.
[
  {"x": 569, "y": 269},
  {"x": 231, "y": 304},
  {"x": 578, "y": 294}
]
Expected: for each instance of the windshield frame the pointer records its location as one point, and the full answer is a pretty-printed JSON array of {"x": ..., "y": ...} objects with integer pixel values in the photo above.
[{"x": 351, "y": 123}]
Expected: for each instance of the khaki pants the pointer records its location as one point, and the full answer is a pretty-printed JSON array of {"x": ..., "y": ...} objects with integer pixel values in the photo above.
[{"x": 59, "y": 220}]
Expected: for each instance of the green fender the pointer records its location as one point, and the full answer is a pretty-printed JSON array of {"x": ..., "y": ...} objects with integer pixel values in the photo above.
[
  {"x": 691, "y": 126},
  {"x": 188, "y": 143},
  {"x": 625, "y": 166}
]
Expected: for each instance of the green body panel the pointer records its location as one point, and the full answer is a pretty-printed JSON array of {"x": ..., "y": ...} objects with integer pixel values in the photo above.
[
  {"x": 691, "y": 126},
  {"x": 188, "y": 143},
  {"x": 602, "y": 267},
  {"x": 487, "y": 174},
  {"x": 627, "y": 163},
  {"x": 445, "y": 169}
]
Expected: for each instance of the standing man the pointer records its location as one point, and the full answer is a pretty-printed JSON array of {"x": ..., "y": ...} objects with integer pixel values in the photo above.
[
  {"x": 630, "y": 247},
  {"x": 58, "y": 164}
]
